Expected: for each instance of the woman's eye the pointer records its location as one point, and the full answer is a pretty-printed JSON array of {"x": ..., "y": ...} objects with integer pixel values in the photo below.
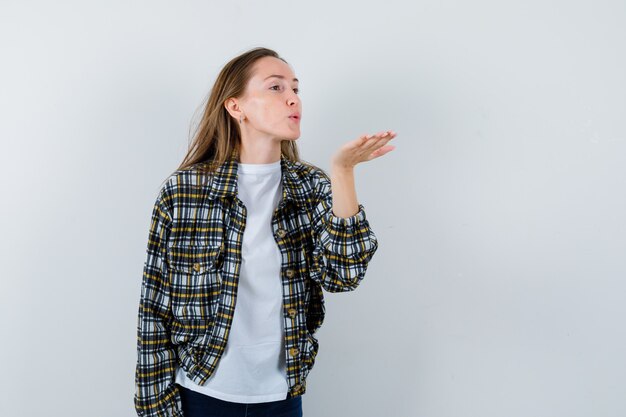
[{"x": 297, "y": 90}]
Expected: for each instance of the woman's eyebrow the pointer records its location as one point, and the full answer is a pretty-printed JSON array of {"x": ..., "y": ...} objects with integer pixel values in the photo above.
[{"x": 280, "y": 76}]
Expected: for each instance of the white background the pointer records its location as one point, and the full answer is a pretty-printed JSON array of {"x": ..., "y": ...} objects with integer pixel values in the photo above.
[{"x": 499, "y": 285}]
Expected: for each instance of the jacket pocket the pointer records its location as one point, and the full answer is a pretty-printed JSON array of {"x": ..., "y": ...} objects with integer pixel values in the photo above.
[{"x": 195, "y": 282}]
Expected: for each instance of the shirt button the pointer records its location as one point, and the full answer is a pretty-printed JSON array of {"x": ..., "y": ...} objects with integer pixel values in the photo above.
[
  {"x": 196, "y": 267},
  {"x": 290, "y": 273},
  {"x": 292, "y": 312},
  {"x": 281, "y": 233},
  {"x": 294, "y": 351}
]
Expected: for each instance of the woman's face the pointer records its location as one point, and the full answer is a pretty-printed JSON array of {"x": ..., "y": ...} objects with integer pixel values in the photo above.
[{"x": 270, "y": 100}]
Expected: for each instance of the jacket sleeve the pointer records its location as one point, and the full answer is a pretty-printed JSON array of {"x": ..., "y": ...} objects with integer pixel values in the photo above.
[
  {"x": 156, "y": 394},
  {"x": 342, "y": 246}
]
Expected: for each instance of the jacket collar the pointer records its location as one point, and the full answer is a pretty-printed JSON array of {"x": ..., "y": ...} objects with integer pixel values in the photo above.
[{"x": 224, "y": 181}]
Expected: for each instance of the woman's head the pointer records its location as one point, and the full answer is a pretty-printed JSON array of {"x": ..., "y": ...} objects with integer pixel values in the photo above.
[
  {"x": 268, "y": 106},
  {"x": 245, "y": 90}
]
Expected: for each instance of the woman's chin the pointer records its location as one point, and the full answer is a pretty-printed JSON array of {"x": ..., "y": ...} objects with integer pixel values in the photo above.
[{"x": 292, "y": 136}]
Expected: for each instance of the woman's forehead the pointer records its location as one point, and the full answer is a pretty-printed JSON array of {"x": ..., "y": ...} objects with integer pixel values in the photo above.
[{"x": 273, "y": 68}]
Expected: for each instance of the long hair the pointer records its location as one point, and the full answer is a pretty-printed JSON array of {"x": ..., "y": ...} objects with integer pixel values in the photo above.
[{"x": 217, "y": 136}]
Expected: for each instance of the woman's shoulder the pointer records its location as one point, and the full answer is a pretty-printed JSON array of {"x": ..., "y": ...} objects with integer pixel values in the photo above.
[
  {"x": 192, "y": 175},
  {"x": 185, "y": 180},
  {"x": 309, "y": 172}
]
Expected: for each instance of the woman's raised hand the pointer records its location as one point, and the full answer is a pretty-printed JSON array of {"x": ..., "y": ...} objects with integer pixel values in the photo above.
[{"x": 362, "y": 149}]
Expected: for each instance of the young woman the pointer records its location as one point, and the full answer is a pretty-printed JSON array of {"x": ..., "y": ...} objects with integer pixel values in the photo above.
[{"x": 244, "y": 237}]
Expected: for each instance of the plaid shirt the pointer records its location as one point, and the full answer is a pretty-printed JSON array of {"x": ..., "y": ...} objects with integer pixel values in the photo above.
[{"x": 190, "y": 277}]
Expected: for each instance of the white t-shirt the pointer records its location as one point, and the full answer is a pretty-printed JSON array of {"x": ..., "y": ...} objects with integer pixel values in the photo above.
[{"x": 252, "y": 368}]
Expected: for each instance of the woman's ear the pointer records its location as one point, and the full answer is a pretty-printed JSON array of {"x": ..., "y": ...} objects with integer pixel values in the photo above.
[{"x": 232, "y": 107}]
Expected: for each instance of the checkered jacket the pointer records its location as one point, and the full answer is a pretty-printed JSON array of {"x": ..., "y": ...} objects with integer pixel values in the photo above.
[{"x": 190, "y": 276}]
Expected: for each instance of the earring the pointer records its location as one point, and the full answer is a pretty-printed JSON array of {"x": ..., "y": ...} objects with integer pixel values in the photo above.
[{"x": 240, "y": 120}]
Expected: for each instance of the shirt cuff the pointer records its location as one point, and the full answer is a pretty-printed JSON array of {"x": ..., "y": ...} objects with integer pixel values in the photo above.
[{"x": 345, "y": 222}]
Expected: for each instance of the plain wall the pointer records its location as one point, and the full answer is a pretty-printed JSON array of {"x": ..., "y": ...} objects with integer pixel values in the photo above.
[{"x": 499, "y": 285}]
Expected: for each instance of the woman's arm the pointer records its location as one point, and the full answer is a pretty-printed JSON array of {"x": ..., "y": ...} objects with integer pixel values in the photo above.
[
  {"x": 363, "y": 149},
  {"x": 342, "y": 246},
  {"x": 344, "y": 242},
  {"x": 344, "y": 192},
  {"x": 155, "y": 391}
]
